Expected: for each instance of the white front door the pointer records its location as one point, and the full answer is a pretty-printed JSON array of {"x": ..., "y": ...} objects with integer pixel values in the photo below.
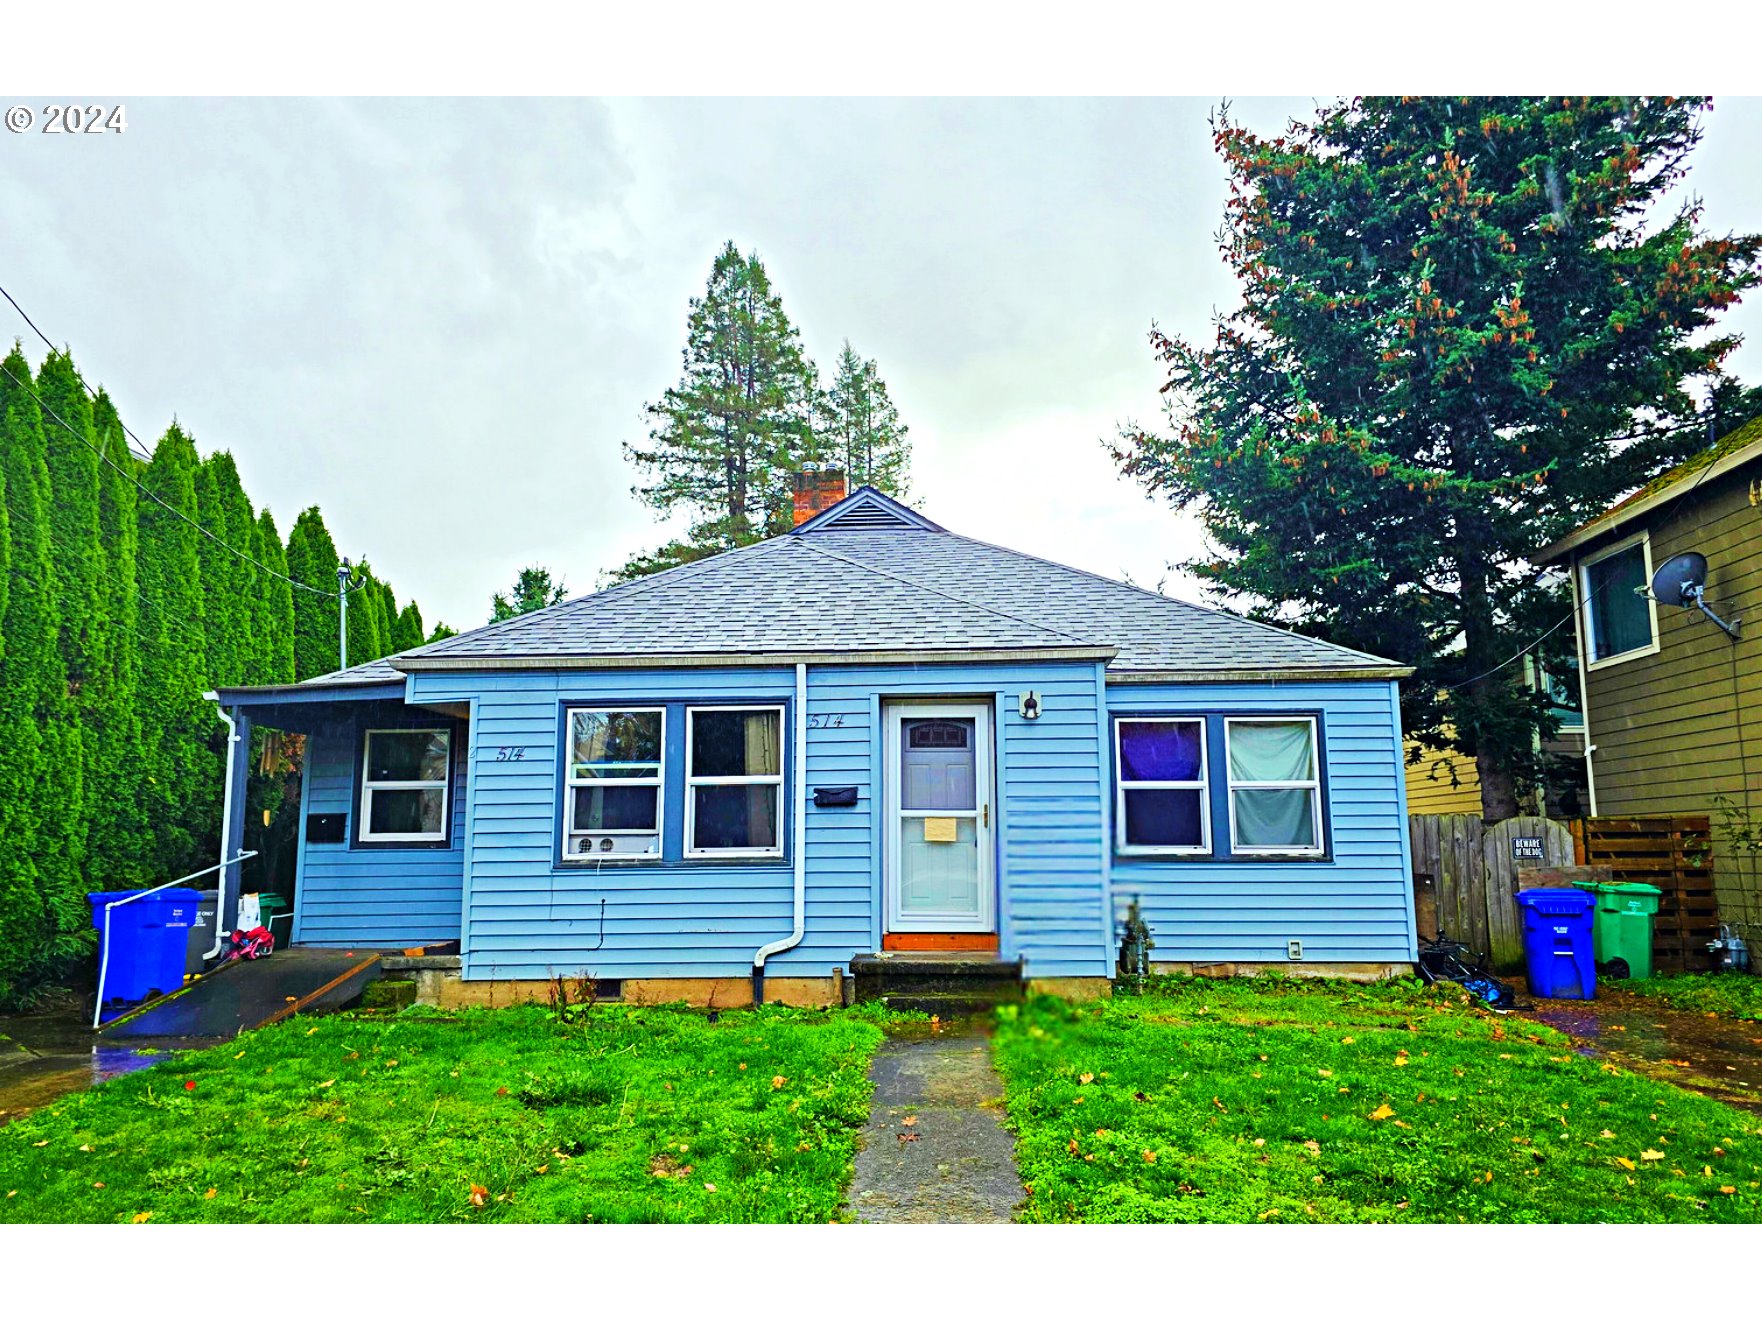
[{"x": 937, "y": 855}]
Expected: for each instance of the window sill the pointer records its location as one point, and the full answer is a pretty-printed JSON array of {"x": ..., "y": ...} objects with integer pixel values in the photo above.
[{"x": 1622, "y": 657}]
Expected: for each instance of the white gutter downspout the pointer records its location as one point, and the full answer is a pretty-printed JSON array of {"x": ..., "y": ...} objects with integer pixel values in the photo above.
[
  {"x": 232, "y": 744},
  {"x": 800, "y": 840},
  {"x": 1580, "y": 625}
]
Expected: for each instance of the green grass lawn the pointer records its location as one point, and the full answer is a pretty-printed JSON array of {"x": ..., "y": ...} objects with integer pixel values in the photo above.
[
  {"x": 1304, "y": 1102},
  {"x": 621, "y": 1114},
  {"x": 1728, "y": 994}
]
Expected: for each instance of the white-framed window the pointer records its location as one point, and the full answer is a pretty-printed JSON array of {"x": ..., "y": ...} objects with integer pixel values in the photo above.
[
  {"x": 1160, "y": 799},
  {"x": 734, "y": 781},
  {"x": 405, "y": 782},
  {"x": 616, "y": 761},
  {"x": 1621, "y": 618},
  {"x": 1275, "y": 785}
]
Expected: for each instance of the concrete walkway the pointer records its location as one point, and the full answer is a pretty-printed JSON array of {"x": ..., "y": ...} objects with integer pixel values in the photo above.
[{"x": 935, "y": 1151}]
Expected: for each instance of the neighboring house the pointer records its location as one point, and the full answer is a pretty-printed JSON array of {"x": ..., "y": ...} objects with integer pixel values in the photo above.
[
  {"x": 1447, "y": 783},
  {"x": 1673, "y": 706},
  {"x": 870, "y": 735}
]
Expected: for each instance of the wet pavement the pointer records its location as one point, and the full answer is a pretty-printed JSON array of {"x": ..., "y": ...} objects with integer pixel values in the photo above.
[
  {"x": 46, "y": 1056},
  {"x": 1717, "y": 1056},
  {"x": 935, "y": 1150}
]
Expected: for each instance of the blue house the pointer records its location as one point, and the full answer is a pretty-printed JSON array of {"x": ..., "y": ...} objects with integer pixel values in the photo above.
[{"x": 868, "y": 737}]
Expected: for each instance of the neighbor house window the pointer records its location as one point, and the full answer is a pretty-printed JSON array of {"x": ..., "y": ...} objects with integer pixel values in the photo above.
[
  {"x": 1161, "y": 798},
  {"x": 404, "y": 774},
  {"x": 734, "y": 781},
  {"x": 1275, "y": 785},
  {"x": 1618, "y": 608},
  {"x": 612, "y": 783}
]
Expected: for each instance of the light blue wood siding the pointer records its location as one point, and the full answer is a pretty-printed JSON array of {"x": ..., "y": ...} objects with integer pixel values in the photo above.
[
  {"x": 1355, "y": 907},
  {"x": 527, "y": 916},
  {"x": 375, "y": 898}
]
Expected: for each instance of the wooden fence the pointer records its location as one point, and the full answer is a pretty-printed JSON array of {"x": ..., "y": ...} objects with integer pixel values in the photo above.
[
  {"x": 1465, "y": 877},
  {"x": 1675, "y": 853}
]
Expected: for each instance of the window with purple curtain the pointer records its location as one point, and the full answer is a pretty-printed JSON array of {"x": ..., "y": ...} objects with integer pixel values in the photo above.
[{"x": 1161, "y": 805}]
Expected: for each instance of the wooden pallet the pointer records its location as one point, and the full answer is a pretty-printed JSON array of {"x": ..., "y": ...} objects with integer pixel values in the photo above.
[{"x": 1675, "y": 853}]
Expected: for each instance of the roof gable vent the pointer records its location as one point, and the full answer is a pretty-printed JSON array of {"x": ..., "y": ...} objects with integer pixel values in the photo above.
[{"x": 867, "y": 510}]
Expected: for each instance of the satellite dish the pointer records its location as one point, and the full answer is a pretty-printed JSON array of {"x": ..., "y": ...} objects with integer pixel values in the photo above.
[{"x": 1680, "y": 578}]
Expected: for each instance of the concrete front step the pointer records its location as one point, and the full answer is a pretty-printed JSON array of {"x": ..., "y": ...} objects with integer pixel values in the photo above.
[{"x": 895, "y": 979}]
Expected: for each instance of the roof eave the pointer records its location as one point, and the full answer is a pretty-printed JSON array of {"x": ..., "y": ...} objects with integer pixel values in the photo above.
[
  {"x": 352, "y": 690},
  {"x": 1621, "y": 515},
  {"x": 1262, "y": 674},
  {"x": 722, "y": 659}
]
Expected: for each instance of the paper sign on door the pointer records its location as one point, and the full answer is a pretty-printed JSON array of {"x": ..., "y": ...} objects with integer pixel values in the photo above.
[{"x": 940, "y": 830}]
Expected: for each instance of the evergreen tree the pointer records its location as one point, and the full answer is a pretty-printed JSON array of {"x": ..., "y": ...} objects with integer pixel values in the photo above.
[
  {"x": 118, "y": 809},
  {"x": 442, "y": 630},
  {"x": 1464, "y": 330},
  {"x": 231, "y": 584},
  {"x": 275, "y": 600},
  {"x": 407, "y": 631},
  {"x": 41, "y": 756},
  {"x": 533, "y": 590},
  {"x": 367, "y": 625},
  {"x": 312, "y": 559},
  {"x": 727, "y": 438},
  {"x": 860, "y": 430},
  {"x": 176, "y": 723}
]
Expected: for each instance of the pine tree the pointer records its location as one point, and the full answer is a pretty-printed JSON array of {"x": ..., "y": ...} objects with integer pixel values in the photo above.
[
  {"x": 1464, "y": 331},
  {"x": 407, "y": 631},
  {"x": 118, "y": 809},
  {"x": 533, "y": 590},
  {"x": 367, "y": 624},
  {"x": 313, "y": 560},
  {"x": 726, "y": 440},
  {"x": 275, "y": 598},
  {"x": 442, "y": 630},
  {"x": 859, "y": 427},
  {"x": 42, "y": 834},
  {"x": 176, "y": 723}
]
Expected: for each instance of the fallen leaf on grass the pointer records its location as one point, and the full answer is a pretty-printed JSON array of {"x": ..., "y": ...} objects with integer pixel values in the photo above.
[
  {"x": 1326, "y": 1073},
  {"x": 310, "y": 1031},
  {"x": 210, "y": 1195},
  {"x": 1149, "y": 1158},
  {"x": 479, "y": 1194},
  {"x": 1312, "y": 1147},
  {"x": 1259, "y": 1142},
  {"x": 778, "y": 1081},
  {"x": 1346, "y": 1041},
  {"x": 1727, "y": 1189},
  {"x": 1085, "y": 1078},
  {"x": 1401, "y": 1059},
  {"x": 1272, "y": 1212},
  {"x": 1650, "y": 1154},
  {"x": 1071, "y": 1146},
  {"x": 543, "y": 1169},
  {"x": 189, "y": 1084},
  {"x": 43, "y": 1143},
  {"x": 328, "y": 1082},
  {"x": 710, "y": 1187},
  {"x": 86, "y": 1147},
  {"x": 97, "y": 1185},
  {"x": 1605, "y": 1134},
  {"x": 1383, "y": 1111},
  {"x": 501, "y": 1091},
  {"x": 142, "y": 1217}
]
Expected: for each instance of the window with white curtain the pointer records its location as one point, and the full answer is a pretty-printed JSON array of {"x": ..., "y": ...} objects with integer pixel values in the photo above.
[
  {"x": 734, "y": 781},
  {"x": 404, "y": 786},
  {"x": 1275, "y": 785}
]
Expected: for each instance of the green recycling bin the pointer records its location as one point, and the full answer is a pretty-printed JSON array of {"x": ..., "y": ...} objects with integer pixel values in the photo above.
[{"x": 1621, "y": 926}]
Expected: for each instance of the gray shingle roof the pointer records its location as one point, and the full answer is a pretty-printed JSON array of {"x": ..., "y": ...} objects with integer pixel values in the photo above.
[{"x": 895, "y": 585}]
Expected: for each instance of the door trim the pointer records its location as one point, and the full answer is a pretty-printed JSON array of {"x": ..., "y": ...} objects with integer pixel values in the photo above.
[{"x": 982, "y": 712}]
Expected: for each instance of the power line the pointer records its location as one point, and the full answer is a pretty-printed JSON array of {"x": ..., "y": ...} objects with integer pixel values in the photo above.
[
  {"x": 66, "y": 426},
  {"x": 141, "y": 451}
]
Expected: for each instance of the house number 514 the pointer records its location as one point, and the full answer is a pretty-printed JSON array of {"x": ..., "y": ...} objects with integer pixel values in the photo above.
[{"x": 510, "y": 754}]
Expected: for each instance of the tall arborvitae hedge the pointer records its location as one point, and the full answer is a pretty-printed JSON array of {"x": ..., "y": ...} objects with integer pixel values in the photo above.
[
  {"x": 127, "y": 590},
  {"x": 313, "y": 560}
]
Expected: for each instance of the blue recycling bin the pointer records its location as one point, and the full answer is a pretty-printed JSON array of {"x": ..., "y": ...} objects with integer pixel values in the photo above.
[
  {"x": 1557, "y": 943},
  {"x": 147, "y": 939}
]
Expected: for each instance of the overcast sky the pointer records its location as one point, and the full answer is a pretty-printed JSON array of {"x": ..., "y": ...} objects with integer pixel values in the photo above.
[{"x": 439, "y": 320}]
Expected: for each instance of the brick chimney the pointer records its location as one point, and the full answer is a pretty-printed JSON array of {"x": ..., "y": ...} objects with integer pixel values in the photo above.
[{"x": 817, "y": 488}]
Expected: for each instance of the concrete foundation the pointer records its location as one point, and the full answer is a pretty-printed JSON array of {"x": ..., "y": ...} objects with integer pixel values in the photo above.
[
  {"x": 439, "y": 984},
  {"x": 1071, "y": 988}
]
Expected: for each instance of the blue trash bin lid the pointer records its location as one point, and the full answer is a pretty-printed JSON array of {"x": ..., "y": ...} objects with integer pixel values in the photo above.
[{"x": 1557, "y": 901}]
